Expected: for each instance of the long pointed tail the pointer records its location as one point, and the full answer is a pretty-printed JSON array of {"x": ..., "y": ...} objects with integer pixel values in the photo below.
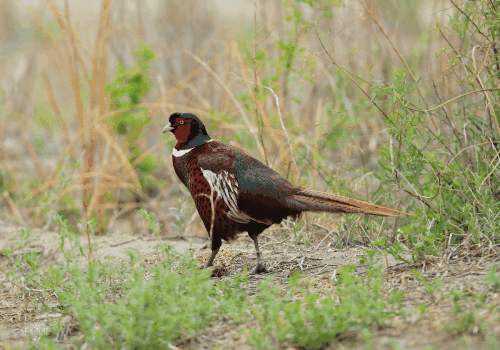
[{"x": 307, "y": 200}]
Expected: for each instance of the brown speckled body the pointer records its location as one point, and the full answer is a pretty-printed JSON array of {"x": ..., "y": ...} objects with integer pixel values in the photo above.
[{"x": 189, "y": 172}]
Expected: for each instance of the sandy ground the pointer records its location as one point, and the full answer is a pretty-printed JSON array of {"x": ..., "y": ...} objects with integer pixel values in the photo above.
[{"x": 20, "y": 319}]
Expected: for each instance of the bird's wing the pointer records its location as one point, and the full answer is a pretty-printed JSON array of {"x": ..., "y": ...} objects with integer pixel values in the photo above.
[
  {"x": 219, "y": 170},
  {"x": 259, "y": 191}
]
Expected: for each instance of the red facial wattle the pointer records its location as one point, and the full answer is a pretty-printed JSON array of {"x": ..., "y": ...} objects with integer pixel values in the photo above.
[{"x": 182, "y": 132}]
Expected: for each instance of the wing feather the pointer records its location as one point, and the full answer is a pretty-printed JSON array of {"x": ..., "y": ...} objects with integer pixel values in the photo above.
[{"x": 226, "y": 186}]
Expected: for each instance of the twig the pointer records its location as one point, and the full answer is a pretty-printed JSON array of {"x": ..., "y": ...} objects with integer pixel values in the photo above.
[
  {"x": 470, "y": 273},
  {"x": 126, "y": 241},
  {"x": 321, "y": 226},
  {"x": 328, "y": 235},
  {"x": 255, "y": 73},
  {"x": 449, "y": 101},
  {"x": 324, "y": 267},
  {"x": 492, "y": 110},
  {"x": 282, "y": 125},
  {"x": 471, "y": 21},
  {"x": 352, "y": 79},
  {"x": 334, "y": 275}
]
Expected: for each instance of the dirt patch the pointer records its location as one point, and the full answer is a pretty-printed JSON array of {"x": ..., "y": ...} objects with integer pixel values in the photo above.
[{"x": 21, "y": 319}]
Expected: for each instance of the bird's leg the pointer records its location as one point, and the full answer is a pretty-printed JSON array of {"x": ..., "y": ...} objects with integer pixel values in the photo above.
[
  {"x": 210, "y": 261},
  {"x": 260, "y": 265}
]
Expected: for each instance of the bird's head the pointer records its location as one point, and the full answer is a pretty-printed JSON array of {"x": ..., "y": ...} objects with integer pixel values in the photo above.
[{"x": 188, "y": 129}]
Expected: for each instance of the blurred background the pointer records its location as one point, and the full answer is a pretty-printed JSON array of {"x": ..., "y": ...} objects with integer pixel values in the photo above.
[{"x": 86, "y": 88}]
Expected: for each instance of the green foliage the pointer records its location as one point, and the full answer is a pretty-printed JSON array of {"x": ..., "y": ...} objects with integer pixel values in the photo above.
[
  {"x": 465, "y": 312},
  {"x": 312, "y": 320},
  {"x": 183, "y": 293},
  {"x": 436, "y": 285},
  {"x": 45, "y": 116},
  {"x": 55, "y": 196},
  {"x": 6, "y": 181},
  {"x": 461, "y": 324},
  {"x": 114, "y": 303},
  {"x": 445, "y": 157},
  {"x": 50, "y": 31},
  {"x": 150, "y": 217},
  {"x": 492, "y": 280},
  {"x": 127, "y": 92}
]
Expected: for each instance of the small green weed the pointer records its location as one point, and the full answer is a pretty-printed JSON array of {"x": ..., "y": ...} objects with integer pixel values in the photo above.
[
  {"x": 464, "y": 313},
  {"x": 312, "y": 320},
  {"x": 492, "y": 280}
]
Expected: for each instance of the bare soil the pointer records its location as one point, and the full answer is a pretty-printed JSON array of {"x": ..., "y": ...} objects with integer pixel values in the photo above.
[{"x": 21, "y": 320}]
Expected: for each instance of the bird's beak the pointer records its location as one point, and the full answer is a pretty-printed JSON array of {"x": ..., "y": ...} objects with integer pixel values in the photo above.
[{"x": 167, "y": 127}]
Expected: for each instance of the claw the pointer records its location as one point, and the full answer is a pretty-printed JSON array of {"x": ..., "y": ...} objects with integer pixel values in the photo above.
[{"x": 259, "y": 268}]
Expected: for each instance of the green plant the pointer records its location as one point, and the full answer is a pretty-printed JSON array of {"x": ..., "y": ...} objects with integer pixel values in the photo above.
[
  {"x": 150, "y": 217},
  {"x": 461, "y": 323},
  {"x": 436, "y": 285},
  {"x": 126, "y": 91},
  {"x": 114, "y": 303},
  {"x": 464, "y": 311},
  {"x": 312, "y": 320},
  {"x": 492, "y": 280},
  {"x": 444, "y": 157}
]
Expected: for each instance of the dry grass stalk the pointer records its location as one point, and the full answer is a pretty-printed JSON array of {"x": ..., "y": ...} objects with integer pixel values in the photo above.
[
  {"x": 99, "y": 145},
  {"x": 235, "y": 101},
  {"x": 400, "y": 56},
  {"x": 265, "y": 119},
  {"x": 478, "y": 77},
  {"x": 57, "y": 111},
  {"x": 13, "y": 207},
  {"x": 21, "y": 123},
  {"x": 317, "y": 135}
]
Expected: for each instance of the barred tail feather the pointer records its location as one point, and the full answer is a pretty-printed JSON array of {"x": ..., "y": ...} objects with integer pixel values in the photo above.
[{"x": 307, "y": 200}]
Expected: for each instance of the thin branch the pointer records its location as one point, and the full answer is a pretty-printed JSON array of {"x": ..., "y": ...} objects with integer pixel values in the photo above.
[
  {"x": 449, "y": 101},
  {"x": 492, "y": 110},
  {"x": 351, "y": 78},
  {"x": 382, "y": 29},
  {"x": 471, "y": 21}
]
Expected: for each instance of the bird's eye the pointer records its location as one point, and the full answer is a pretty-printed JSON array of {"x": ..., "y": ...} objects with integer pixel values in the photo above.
[{"x": 181, "y": 122}]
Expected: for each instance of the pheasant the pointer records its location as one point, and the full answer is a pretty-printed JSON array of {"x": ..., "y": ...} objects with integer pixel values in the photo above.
[{"x": 234, "y": 192}]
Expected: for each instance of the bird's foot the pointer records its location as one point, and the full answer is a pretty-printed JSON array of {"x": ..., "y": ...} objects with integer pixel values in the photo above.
[
  {"x": 259, "y": 268},
  {"x": 217, "y": 270},
  {"x": 211, "y": 269}
]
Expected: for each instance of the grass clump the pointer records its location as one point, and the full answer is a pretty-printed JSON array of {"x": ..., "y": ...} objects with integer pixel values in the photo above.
[
  {"x": 445, "y": 157},
  {"x": 492, "y": 280},
  {"x": 465, "y": 320},
  {"x": 176, "y": 302},
  {"x": 311, "y": 319}
]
